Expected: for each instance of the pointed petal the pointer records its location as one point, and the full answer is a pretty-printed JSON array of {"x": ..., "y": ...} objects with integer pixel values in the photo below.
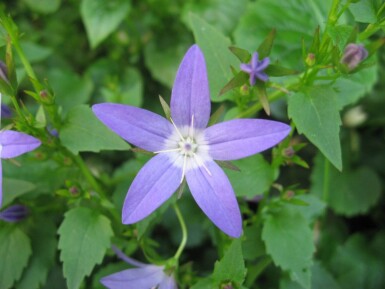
[
  {"x": 168, "y": 282},
  {"x": 154, "y": 184},
  {"x": 239, "y": 138},
  {"x": 263, "y": 64},
  {"x": 16, "y": 143},
  {"x": 245, "y": 67},
  {"x": 252, "y": 78},
  {"x": 262, "y": 76},
  {"x": 138, "y": 278},
  {"x": 215, "y": 196},
  {"x": 1, "y": 184},
  {"x": 190, "y": 93},
  {"x": 139, "y": 127},
  {"x": 254, "y": 61}
]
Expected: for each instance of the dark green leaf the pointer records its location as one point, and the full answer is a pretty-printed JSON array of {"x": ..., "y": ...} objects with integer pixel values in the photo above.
[
  {"x": 84, "y": 238},
  {"x": 13, "y": 188},
  {"x": 240, "y": 79},
  {"x": 265, "y": 47},
  {"x": 43, "y": 6},
  {"x": 276, "y": 70},
  {"x": 82, "y": 131},
  {"x": 15, "y": 249},
  {"x": 316, "y": 115},
  {"x": 243, "y": 55}
]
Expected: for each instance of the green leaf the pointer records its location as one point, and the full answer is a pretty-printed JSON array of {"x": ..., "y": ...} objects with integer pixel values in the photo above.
[
  {"x": 276, "y": 70},
  {"x": 43, "y": 257},
  {"x": 101, "y": 18},
  {"x": 255, "y": 177},
  {"x": 340, "y": 34},
  {"x": 43, "y": 6},
  {"x": 82, "y": 131},
  {"x": 352, "y": 87},
  {"x": 35, "y": 52},
  {"x": 294, "y": 21},
  {"x": 232, "y": 266},
  {"x": 70, "y": 89},
  {"x": 265, "y": 47},
  {"x": 289, "y": 241},
  {"x": 243, "y": 55},
  {"x": 316, "y": 115},
  {"x": 218, "y": 57},
  {"x": 350, "y": 192},
  {"x": 364, "y": 11},
  {"x": 240, "y": 79},
  {"x": 15, "y": 249},
  {"x": 252, "y": 245},
  {"x": 84, "y": 238},
  {"x": 13, "y": 188},
  {"x": 166, "y": 107}
]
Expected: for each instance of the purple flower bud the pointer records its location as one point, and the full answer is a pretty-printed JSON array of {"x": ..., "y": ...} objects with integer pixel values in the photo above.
[
  {"x": 14, "y": 214},
  {"x": 353, "y": 55},
  {"x": 5, "y": 111},
  {"x": 256, "y": 68},
  {"x": 3, "y": 71}
]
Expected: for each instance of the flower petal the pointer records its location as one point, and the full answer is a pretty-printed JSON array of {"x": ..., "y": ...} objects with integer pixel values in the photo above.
[
  {"x": 254, "y": 61},
  {"x": 168, "y": 282},
  {"x": 262, "y": 76},
  {"x": 138, "y": 278},
  {"x": 239, "y": 138},
  {"x": 245, "y": 67},
  {"x": 190, "y": 93},
  {"x": 154, "y": 184},
  {"x": 140, "y": 127},
  {"x": 16, "y": 143},
  {"x": 1, "y": 184},
  {"x": 263, "y": 64},
  {"x": 215, "y": 196}
]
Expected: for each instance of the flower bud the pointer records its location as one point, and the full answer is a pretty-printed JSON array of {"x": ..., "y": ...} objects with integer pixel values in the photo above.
[
  {"x": 353, "y": 55},
  {"x": 5, "y": 111},
  {"x": 244, "y": 89},
  {"x": 310, "y": 59},
  {"x": 14, "y": 214},
  {"x": 288, "y": 152}
]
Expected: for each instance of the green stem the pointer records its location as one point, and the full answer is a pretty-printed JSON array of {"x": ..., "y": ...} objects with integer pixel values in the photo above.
[
  {"x": 325, "y": 192},
  {"x": 184, "y": 232}
]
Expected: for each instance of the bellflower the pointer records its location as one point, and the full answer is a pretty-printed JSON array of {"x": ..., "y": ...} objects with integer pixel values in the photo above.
[
  {"x": 145, "y": 276},
  {"x": 256, "y": 68},
  {"x": 14, "y": 213},
  {"x": 353, "y": 55},
  {"x": 186, "y": 149},
  {"x": 13, "y": 144}
]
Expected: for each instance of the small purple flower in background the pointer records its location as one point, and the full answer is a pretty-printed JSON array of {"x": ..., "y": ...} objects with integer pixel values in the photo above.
[
  {"x": 14, "y": 213},
  {"x": 353, "y": 55},
  {"x": 185, "y": 148},
  {"x": 5, "y": 111},
  {"x": 256, "y": 68},
  {"x": 13, "y": 144},
  {"x": 145, "y": 276},
  {"x": 3, "y": 71}
]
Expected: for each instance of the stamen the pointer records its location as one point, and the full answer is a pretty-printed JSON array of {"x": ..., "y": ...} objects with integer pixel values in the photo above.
[
  {"x": 201, "y": 163},
  {"x": 180, "y": 135},
  {"x": 191, "y": 130},
  {"x": 184, "y": 168},
  {"x": 168, "y": 151}
]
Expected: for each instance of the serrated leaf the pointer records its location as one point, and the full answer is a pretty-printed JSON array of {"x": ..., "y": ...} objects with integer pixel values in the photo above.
[
  {"x": 350, "y": 192},
  {"x": 82, "y": 131},
  {"x": 84, "y": 238},
  {"x": 255, "y": 176},
  {"x": 44, "y": 248},
  {"x": 15, "y": 249},
  {"x": 232, "y": 266},
  {"x": 315, "y": 114},
  {"x": 289, "y": 241},
  {"x": 101, "y": 18},
  {"x": 217, "y": 55}
]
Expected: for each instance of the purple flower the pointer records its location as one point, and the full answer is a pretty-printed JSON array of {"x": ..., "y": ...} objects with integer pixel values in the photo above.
[
  {"x": 5, "y": 111},
  {"x": 14, "y": 214},
  {"x": 256, "y": 68},
  {"x": 185, "y": 148},
  {"x": 143, "y": 277},
  {"x": 353, "y": 55},
  {"x": 13, "y": 144},
  {"x": 3, "y": 71}
]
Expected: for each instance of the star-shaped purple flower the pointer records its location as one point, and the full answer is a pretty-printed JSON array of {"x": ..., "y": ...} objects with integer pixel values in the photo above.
[
  {"x": 256, "y": 68},
  {"x": 13, "y": 144},
  {"x": 145, "y": 276},
  {"x": 185, "y": 148}
]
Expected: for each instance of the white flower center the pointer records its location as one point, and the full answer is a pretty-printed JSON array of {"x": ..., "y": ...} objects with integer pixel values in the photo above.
[{"x": 187, "y": 148}]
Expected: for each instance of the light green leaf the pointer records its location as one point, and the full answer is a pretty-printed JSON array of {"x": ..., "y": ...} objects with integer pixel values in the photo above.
[
  {"x": 351, "y": 88},
  {"x": 316, "y": 115},
  {"x": 263, "y": 15},
  {"x": 84, "y": 238},
  {"x": 15, "y": 249},
  {"x": 43, "y": 6},
  {"x": 44, "y": 249},
  {"x": 13, "y": 188},
  {"x": 314, "y": 209},
  {"x": 364, "y": 11},
  {"x": 101, "y": 18},
  {"x": 340, "y": 35},
  {"x": 232, "y": 266},
  {"x": 82, "y": 131},
  {"x": 35, "y": 52},
  {"x": 289, "y": 241},
  {"x": 215, "y": 47},
  {"x": 70, "y": 89},
  {"x": 350, "y": 192},
  {"x": 255, "y": 177}
]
